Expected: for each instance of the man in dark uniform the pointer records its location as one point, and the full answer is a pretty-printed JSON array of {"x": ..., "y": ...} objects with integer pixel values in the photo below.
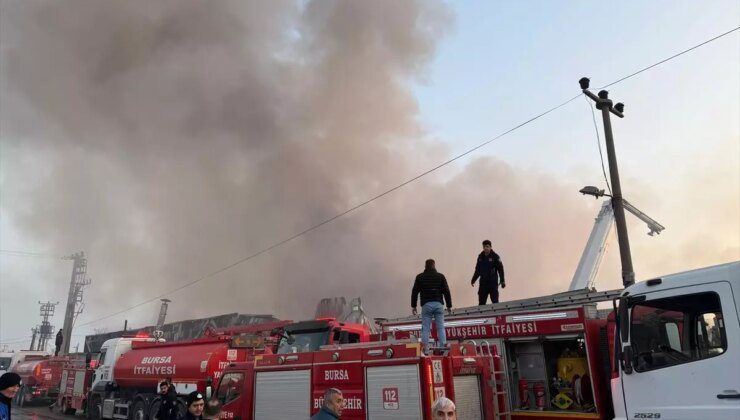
[
  {"x": 168, "y": 401},
  {"x": 58, "y": 342},
  {"x": 490, "y": 269},
  {"x": 195, "y": 403}
]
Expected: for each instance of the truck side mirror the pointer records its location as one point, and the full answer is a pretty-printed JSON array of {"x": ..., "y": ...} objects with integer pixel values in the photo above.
[
  {"x": 209, "y": 391},
  {"x": 624, "y": 321},
  {"x": 627, "y": 360}
]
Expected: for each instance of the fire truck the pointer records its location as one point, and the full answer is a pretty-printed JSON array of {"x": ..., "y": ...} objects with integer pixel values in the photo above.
[
  {"x": 663, "y": 348},
  {"x": 40, "y": 376},
  {"x": 125, "y": 383},
  {"x": 17, "y": 357},
  {"x": 378, "y": 381},
  {"x": 73, "y": 387}
]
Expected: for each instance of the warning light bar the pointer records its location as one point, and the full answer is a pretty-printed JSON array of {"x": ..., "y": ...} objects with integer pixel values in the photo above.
[{"x": 247, "y": 341}]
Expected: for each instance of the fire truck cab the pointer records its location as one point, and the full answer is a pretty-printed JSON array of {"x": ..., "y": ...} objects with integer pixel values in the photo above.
[
  {"x": 678, "y": 352},
  {"x": 308, "y": 336}
]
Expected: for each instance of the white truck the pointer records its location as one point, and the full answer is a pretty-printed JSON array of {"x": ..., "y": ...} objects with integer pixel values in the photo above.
[{"x": 678, "y": 352}]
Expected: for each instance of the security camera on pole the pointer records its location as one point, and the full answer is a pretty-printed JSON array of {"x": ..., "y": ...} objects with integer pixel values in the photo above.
[{"x": 606, "y": 106}]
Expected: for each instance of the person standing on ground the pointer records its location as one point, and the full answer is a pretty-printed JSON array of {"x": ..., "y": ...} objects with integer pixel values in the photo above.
[
  {"x": 434, "y": 291},
  {"x": 490, "y": 269},
  {"x": 168, "y": 401},
  {"x": 444, "y": 409},
  {"x": 213, "y": 409},
  {"x": 195, "y": 403},
  {"x": 58, "y": 342},
  {"x": 331, "y": 408},
  {"x": 10, "y": 383}
]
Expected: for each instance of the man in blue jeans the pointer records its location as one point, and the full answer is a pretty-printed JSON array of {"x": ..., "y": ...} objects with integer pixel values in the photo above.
[{"x": 434, "y": 291}]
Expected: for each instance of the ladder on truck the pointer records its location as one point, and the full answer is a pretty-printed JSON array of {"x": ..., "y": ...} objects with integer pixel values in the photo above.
[
  {"x": 558, "y": 300},
  {"x": 499, "y": 383}
]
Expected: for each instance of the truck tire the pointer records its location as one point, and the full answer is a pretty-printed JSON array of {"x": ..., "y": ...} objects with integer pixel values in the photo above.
[
  {"x": 154, "y": 409},
  {"x": 139, "y": 411},
  {"x": 59, "y": 406},
  {"x": 20, "y": 397},
  {"x": 181, "y": 409},
  {"x": 95, "y": 409}
]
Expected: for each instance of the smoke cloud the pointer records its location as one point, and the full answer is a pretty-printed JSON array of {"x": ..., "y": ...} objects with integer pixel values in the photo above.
[{"x": 168, "y": 139}]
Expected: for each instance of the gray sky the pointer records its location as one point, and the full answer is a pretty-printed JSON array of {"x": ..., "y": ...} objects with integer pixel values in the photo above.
[{"x": 170, "y": 139}]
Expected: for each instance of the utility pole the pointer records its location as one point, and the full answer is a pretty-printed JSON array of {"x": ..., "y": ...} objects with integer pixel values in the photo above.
[
  {"x": 605, "y": 105},
  {"x": 46, "y": 330},
  {"x": 78, "y": 281}
]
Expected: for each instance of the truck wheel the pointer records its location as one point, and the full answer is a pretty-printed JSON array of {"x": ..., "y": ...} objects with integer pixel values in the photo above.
[
  {"x": 70, "y": 411},
  {"x": 59, "y": 405},
  {"x": 154, "y": 409},
  {"x": 180, "y": 408},
  {"x": 139, "y": 412},
  {"x": 95, "y": 409},
  {"x": 21, "y": 397}
]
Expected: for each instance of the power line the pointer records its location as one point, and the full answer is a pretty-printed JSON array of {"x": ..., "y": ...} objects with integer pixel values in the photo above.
[
  {"x": 397, "y": 187},
  {"x": 28, "y": 254},
  {"x": 598, "y": 143},
  {"x": 672, "y": 57}
]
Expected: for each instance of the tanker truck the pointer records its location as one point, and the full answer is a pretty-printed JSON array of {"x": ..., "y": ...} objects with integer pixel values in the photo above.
[
  {"x": 125, "y": 383},
  {"x": 40, "y": 376}
]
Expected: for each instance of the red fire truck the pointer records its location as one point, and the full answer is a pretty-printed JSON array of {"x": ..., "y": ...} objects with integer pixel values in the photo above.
[
  {"x": 73, "y": 388},
  {"x": 40, "y": 376},
  {"x": 125, "y": 382},
  {"x": 124, "y": 386},
  {"x": 377, "y": 380},
  {"x": 555, "y": 351}
]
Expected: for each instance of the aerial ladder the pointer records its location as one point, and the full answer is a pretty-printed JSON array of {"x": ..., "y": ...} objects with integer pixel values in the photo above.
[{"x": 588, "y": 266}]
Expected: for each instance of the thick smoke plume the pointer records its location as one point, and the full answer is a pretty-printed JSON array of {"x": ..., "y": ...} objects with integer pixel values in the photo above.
[{"x": 168, "y": 139}]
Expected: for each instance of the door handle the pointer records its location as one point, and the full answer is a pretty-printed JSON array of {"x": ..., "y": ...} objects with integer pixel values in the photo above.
[{"x": 730, "y": 395}]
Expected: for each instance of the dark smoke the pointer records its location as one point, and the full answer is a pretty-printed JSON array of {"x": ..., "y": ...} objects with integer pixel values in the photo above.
[{"x": 168, "y": 139}]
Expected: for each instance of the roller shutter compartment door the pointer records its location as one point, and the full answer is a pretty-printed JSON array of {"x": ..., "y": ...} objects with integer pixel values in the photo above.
[
  {"x": 468, "y": 398},
  {"x": 283, "y": 395},
  {"x": 400, "y": 384}
]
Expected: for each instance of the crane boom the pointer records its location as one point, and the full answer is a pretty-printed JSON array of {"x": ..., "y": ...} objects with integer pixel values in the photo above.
[
  {"x": 588, "y": 266},
  {"x": 595, "y": 249}
]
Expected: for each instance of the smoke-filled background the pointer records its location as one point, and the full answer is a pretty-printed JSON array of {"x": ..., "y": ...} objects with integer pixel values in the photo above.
[{"x": 169, "y": 139}]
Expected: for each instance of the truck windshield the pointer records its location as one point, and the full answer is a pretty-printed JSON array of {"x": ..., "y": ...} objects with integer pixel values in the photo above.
[
  {"x": 303, "y": 341},
  {"x": 4, "y": 363}
]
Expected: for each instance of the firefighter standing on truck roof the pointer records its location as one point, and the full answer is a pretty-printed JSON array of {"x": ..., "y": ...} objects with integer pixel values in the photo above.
[
  {"x": 489, "y": 268},
  {"x": 433, "y": 288},
  {"x": 58, "y": 342}
]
